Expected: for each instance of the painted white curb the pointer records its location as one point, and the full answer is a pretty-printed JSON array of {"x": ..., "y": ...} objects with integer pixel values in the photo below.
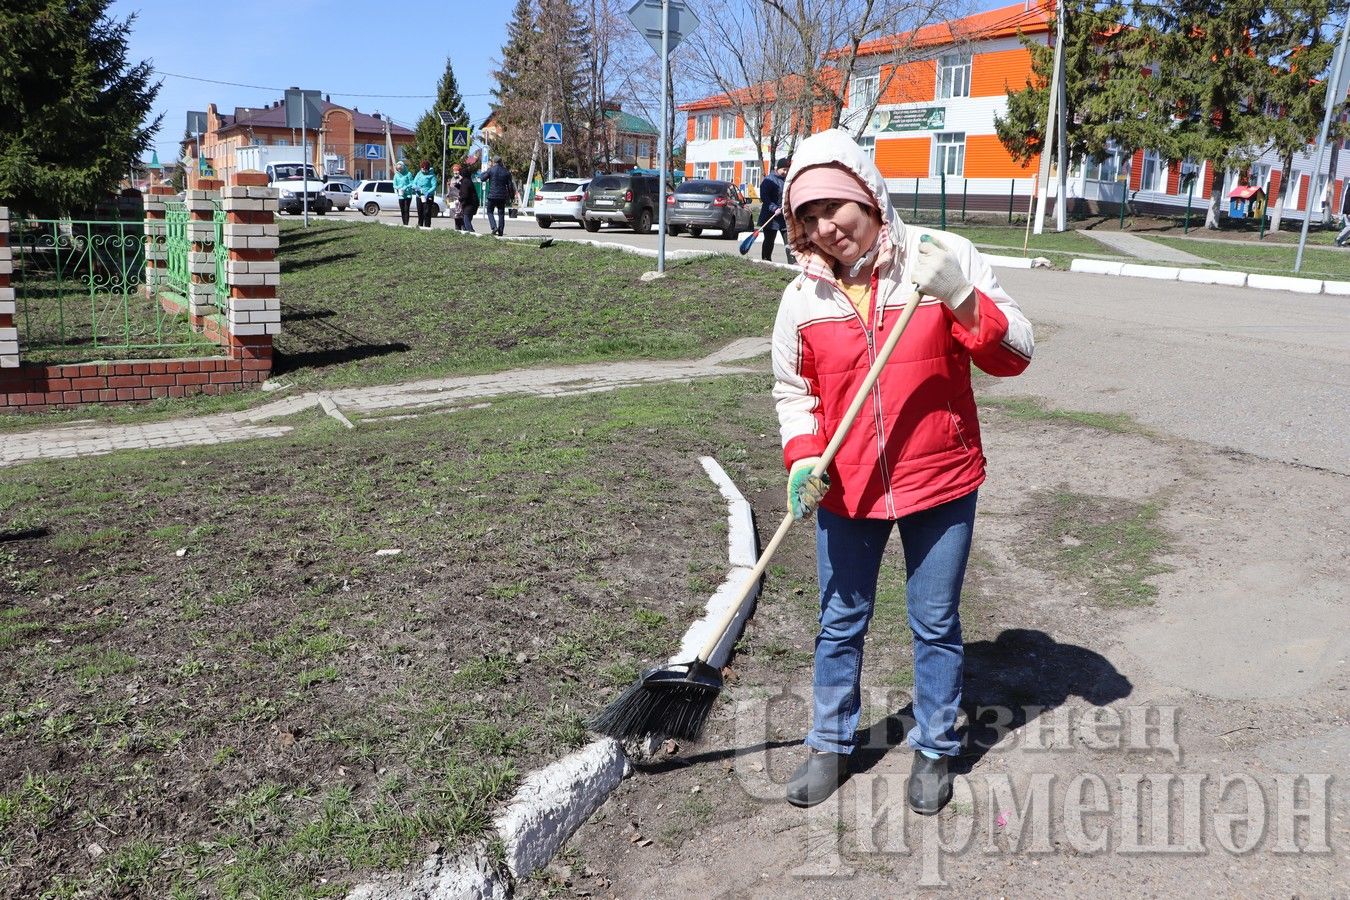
[
  {"x": 1159, "y": 273},
  {"x": 1095, "y": 266},
  {"x": 1338, "y": 288},
  {"x": 1285, "y": 283},
  {"x": 1213, "y": 276},
  {"x": 553, "y": 802},
  {"x": 1008, "y": 262}
]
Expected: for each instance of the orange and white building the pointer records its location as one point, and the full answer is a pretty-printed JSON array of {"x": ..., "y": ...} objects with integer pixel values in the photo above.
[{"x": 933, "y": 132}]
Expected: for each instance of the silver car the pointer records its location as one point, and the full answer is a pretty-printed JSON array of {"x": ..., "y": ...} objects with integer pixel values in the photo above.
[
  {"x": 340, "y": 192},
  {"x": 702, "y": 203}
]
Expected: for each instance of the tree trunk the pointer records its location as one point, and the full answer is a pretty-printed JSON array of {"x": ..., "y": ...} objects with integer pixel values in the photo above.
[
  {"x": 1215, "y": 199},
  {"x": 1277, "y": 208}
]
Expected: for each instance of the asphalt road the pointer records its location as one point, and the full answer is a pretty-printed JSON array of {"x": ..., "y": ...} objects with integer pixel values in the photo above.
[{"x": 1262, "y": 372}]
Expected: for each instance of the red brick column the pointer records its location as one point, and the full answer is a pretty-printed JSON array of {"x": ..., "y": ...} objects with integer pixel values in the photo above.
[
  {"x": 254, "y": 312},
  {"x": 9, "y": 335},
  {"x": 156, "y": 255}
]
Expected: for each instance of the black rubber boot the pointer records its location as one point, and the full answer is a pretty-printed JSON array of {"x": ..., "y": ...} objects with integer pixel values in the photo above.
[
  {"x": 930, "y": 787},
  {"x": 817, "y": 778}
]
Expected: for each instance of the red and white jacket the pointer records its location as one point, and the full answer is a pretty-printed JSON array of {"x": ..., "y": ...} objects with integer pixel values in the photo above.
[{"x": 916, "y": 442}]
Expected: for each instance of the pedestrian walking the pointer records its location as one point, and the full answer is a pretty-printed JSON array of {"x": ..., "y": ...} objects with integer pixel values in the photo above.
[
  {"x": 453, "y": 204},
  {"x": 913, "y": 464},
  {"x": 403, "y": 189},
  {"x": 1344, "y": 234},
  {"x": 468, "y": 197},
  {"x": 500, "y": 190},
  {"x": 424, "y": 187},
  {"x": 771, "y": 199}
]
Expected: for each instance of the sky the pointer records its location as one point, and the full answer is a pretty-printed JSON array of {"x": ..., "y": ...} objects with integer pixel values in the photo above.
[{"x": 344, "y": 48}]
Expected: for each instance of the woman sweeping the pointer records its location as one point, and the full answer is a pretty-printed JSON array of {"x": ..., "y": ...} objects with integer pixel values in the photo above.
[{"x": 911, "y": 463}]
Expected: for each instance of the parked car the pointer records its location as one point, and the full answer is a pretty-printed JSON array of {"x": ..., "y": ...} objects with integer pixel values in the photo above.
[
  {"x": 561, "y": 200},
  {"x": 374, "y": 196},
  {"x": 621, "y": 199},
  {"x": 339, "y": 193},
  {"x": 701, "y": 203},
  {"x": 291, "y": 194}
]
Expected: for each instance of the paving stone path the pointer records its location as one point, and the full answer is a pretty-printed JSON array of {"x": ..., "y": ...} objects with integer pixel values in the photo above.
[
  {"x": 1152, "y": 251},
  {"x": 68, "y": 441}
]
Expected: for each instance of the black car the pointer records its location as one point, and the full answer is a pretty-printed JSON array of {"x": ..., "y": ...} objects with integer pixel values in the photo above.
[
  {"x": 702, "y": 203},
  {"x": 622, "y": 199}
]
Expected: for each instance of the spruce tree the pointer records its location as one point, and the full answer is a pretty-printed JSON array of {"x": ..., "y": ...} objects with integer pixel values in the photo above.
[
  {"x": 72, "y": 109},
  {"x": 430, "y": 133},
  {"x": 518, "y": 93}
]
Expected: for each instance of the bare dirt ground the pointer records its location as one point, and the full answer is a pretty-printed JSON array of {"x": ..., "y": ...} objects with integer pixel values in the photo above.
[{"x": 1122, "y": 701}]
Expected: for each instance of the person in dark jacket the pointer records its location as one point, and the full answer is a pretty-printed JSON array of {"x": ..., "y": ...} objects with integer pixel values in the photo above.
[
  {"x": 468, "y": 194},
  {"x": 770, "y": 210},
  {"x": 500, "y": 190}
]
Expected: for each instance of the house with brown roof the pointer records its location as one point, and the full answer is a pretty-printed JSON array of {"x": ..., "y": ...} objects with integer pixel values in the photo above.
[{"x": 348, "y": 142}]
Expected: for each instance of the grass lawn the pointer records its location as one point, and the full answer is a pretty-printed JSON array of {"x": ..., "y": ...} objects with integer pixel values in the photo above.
[
  {"x": 1011, "y": 238},
  {"x": 216, "y": 687},
  {"x": 366, "y": 304},
  {"x": 1318, "y": 261}
]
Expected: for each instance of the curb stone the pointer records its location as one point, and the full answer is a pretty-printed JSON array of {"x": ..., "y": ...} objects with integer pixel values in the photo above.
[{"x": 554, "y": 801}]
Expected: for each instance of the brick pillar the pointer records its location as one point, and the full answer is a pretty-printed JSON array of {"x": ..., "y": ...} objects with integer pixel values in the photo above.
[
  {"x": 156, "y": 255},
  {"x": 254, "y": 312},
  {"x": 201, "y": 207},
  {"x": 9, "y": 334}
]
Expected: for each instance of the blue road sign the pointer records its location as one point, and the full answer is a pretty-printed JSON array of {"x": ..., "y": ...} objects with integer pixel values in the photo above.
[
  {"x": 374, "y": 151},
  {"x": 552, "y": 132}
]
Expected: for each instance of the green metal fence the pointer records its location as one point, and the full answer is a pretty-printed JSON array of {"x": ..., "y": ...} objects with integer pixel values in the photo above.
[
  {"x": 177, "y": 245},
  {"x": 222, "y": 293},
  {"x": 79, "y": 289}
]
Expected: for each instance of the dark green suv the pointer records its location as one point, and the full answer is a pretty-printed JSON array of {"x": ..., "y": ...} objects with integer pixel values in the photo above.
[{"x": 628, "y": 199}]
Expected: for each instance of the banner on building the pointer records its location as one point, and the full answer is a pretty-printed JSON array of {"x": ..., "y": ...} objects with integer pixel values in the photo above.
[{"x": 925, "y": 118}]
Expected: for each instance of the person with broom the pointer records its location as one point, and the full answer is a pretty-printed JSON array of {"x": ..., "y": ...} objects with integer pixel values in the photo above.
[{"x": 911, "y": 462}]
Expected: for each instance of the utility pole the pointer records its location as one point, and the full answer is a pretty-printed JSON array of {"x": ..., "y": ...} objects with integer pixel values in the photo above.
[
  {"x": 665, "y": 148},
  {"x": 1336, "y": 88},
  {"x": 1061, "y": 140},
  {"x": 1043, "y": 177}
]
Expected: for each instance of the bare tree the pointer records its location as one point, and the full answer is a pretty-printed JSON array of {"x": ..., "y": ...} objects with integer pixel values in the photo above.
[
  {"x": 746, "y": 57},
  {"x": 835, "y": 37}
]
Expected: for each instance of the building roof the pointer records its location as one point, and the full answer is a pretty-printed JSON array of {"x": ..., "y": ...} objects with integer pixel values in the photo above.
[
  {"x": 627, "y": 123},
  {"x": 274, "y": 116},
  {"x": 1029, "y": 17},
  {"x": 764, "y": 92}
]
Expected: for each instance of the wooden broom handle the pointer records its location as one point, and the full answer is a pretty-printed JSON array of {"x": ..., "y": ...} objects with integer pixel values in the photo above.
[{"x": 841, "y": 432}]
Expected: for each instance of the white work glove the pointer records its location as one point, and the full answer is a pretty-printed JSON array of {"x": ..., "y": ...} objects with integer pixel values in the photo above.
[
  {"x": 938, "y": 274},
  {"x": 805, "y": 491}
]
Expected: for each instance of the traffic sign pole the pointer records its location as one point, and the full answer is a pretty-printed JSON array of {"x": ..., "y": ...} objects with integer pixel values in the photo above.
[{"x": 665, "y": 150}]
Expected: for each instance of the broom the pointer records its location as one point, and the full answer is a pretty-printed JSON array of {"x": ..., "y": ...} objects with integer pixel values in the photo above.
[
  {"x": 750, "y": 241},
  {"x": 674, "y": 700}
]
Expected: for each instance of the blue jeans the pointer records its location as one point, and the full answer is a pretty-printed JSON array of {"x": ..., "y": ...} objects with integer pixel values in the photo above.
[{"x": 848, "y": 560}]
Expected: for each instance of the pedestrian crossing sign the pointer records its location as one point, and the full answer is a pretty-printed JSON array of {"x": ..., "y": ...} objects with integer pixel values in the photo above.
[
  {"x": 552, "y": 132},
  {"x": 459, "y": 137}
]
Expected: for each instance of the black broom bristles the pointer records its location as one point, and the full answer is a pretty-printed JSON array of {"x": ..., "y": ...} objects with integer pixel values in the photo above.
[{"x": 670, "y": 702}]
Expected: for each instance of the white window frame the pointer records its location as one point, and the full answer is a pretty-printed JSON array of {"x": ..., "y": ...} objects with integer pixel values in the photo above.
[
  {"x": 949, "y": 153},
  {"x": 703, "y": 127},
  {"x": 868, "y": 143},
  {"x": 753, "y": 174},
  {"x": 726, "y": 126},
  {"x": 1153, "y": 173},
  {"x": 953, "y": 76},
  {"x": 1185, "y": 167},
  {"x": 1260, "y": 176},
  {"x": 1113, "y": 161},
  {"x": 1316, "y": 187},
  {"x": 862, "y": 91},
  {"x": 701, "y": 169},
  {"x": 726, "y": 170}
]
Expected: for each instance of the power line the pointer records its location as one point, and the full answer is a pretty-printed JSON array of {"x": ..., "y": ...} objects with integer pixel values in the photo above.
[{"x": 263, "y": 87}]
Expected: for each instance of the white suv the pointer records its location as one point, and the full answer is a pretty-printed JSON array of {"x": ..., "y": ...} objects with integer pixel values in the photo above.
[{"x": 560, "y": 200}]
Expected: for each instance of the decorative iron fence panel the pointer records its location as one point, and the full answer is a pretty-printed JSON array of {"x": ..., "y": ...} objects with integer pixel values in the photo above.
[
  {"x": 78, "y": 287},
  {"x": 177, "y": 245},
  {"x": 222, "y": 294}
]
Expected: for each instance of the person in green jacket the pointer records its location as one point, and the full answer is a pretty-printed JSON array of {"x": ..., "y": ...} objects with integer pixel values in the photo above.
[
  {"x": 403, "y": 187},
  {"x": 424, "y": 187}
]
